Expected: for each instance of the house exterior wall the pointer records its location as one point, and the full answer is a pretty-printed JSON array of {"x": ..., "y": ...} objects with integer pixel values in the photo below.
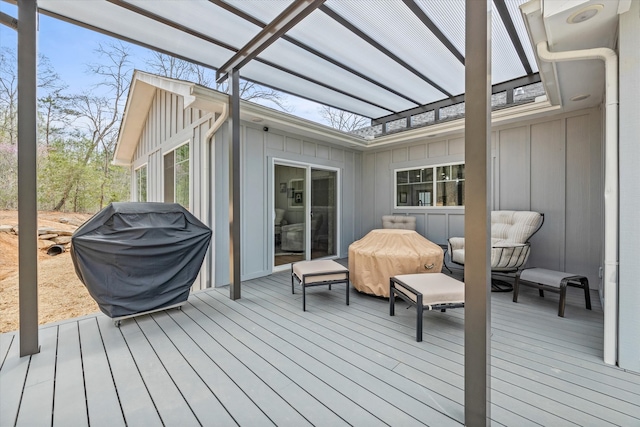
[
  {"x": 629, "y": 154},
  {"x": 551, "y": 165},
  {"x": 167, "y": 126},
  {"x": 259, "y": 149}
]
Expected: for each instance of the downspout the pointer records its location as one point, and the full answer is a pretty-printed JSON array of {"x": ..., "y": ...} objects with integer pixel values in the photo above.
[
  {"x": 206, "y": 173},
  {"x": 610, "y": 277}
]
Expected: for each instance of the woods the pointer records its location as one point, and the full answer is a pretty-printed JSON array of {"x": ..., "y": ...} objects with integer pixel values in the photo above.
[
  {"x": 78, "y": 128},
  {"x": 77, "y": 134}
]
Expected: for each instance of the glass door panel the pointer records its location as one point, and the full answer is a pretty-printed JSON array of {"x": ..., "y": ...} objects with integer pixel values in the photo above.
[
  {"x": 324, "y": 219},
  {"x": 290, "y": 220}
]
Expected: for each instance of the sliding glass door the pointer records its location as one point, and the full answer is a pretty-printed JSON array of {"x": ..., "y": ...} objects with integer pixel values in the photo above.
[
  {"x": 305, "y": 213},
  {"x": 324, "y": 213}
]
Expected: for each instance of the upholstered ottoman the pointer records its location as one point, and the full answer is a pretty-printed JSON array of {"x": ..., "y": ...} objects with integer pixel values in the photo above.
[
  {"x": 552, "y": 281},
  {"x": 318, "y": 273},
  {"x": 435, "y": 291}
]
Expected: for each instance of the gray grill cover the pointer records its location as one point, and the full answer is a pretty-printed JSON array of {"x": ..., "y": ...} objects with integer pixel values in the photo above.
[{"x": 136, "y": 257}]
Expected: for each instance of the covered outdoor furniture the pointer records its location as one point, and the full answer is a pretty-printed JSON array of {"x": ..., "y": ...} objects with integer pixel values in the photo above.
[
  {"x": 139, "y": 257},
  {"x": 426, "y": 291},
  {"x": 318, "y": 273},
  {"x": 384, "y": 253},
  {"x": 510, "y": 247},
  {"x": 552, "y": 281},
  {"x": 403, "y": 222}
]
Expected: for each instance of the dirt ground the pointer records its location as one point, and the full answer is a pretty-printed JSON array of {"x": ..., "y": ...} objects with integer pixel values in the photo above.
[{"x": 60, "y": 294}]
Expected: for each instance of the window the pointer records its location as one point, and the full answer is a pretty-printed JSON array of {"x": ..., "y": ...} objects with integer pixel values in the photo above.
[
  {"x": 141, "y": 184},
  {"x": 176, "y": 176},
  {"x": 430, "y": 186}
]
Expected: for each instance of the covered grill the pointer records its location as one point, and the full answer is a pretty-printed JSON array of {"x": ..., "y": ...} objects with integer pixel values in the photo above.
[{"x": 139, "y": 257}]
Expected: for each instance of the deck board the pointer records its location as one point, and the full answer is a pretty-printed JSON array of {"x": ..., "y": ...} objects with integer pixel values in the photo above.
[
  {"x": 37, "y": 396},
  {"x": 169, "y": 401},
  {"x": 69, "y": 404},
  {"x": 195, "y": 391},
  {"x": 103, "y": 405},
  {"x": 384, "y": 399},
  {"x": 137, "y": 405},
  {"x": 12, "y": 378},
  {"x": 261, "y": 360},
  {"x": 233, "y": 382}
]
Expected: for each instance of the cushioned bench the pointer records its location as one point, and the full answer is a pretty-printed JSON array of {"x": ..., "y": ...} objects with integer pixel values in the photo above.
[
  {"x": 433, "y": 291},
  {"x": 318, "y": 273},
  {"x": 552, "y": 281}
]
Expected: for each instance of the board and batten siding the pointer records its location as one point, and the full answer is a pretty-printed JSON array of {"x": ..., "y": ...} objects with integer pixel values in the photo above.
[
  {"x": 168, "y": 125},
  {"x": 259, "y": 149},
  {"x": 551, "y": 165}
]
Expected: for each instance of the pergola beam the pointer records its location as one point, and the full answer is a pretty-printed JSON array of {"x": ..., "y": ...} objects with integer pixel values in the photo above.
[{"x": 293, "y": 14}]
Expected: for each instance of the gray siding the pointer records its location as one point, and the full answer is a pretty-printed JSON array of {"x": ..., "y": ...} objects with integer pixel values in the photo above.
[
  {"x": 551, "y": 165},
  {"x": 629, "y": 291},
  {"x": 259, "y": 149},
  {"x": 168, "y": 125}
]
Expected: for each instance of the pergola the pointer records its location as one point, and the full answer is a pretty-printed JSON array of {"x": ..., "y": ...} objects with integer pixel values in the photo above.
[{"x": 387, "y": 60}]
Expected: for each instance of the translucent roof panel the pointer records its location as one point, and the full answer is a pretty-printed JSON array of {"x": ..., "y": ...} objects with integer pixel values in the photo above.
[
  {"x": 305, "y": 63},
  {"x": 518, "y": 22},
  {"x": 324, "y": 34},
  {"x": 505, "y": 62},
  {"x": 261, "y": 73},
  {"x": 399, "y": 30},
  {"x": 371, "y": 57},
  {"x": 229, "y": 28},
  {"x": 263, "y": 10},
  {"x": 448, "y": 16}
]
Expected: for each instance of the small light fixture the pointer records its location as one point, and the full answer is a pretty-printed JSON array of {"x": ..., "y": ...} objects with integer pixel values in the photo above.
[
  {"x": 585, "y": 14},
  {"x": 580, "y": 97},
  {"x": 257, "y": 119}
]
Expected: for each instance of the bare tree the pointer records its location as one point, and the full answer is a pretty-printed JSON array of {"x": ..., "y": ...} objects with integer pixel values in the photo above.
[
  {"x": 343, "y": 120},
  {"x": 168, "y": 66},
  {"x": 99, "y": 116},
  {"x": 8, "y": 96}
]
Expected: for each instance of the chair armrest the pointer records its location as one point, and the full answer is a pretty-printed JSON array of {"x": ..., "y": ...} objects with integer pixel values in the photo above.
[
  {"x": 456, "y": 243},
  {"x": 508, "y": 245}
]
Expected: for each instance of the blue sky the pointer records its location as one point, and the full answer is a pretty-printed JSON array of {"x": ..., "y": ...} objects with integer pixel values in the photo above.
[{"x": 70, "y": 48}]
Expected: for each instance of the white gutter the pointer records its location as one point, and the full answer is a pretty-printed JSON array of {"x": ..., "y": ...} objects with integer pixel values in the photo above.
[
  {"x": 224, "y": 115},
  {"x": 610, "y": 278}
]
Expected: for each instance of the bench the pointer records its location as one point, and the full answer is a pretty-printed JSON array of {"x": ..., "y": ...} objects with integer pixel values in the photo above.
[
  {"x": 432, "y": 291},
  {"x": 318, "y": 273},
  {"x": 552, "y": 281}
]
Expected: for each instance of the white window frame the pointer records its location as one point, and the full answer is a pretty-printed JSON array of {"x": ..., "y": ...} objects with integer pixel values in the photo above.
[
  {"x": 434, "y": 195},
  {"x": 190, "y": 201},
  {"x": 137, "y": 182}
]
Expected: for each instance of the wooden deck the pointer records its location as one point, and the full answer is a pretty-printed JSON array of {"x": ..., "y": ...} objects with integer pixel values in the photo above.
[{"x": 262, "y": 361}]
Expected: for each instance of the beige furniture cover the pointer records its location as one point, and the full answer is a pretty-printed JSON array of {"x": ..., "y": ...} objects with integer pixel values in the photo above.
[{"x": 381, "y": 254}]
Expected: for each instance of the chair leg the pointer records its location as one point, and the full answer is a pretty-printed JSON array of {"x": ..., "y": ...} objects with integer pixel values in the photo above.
[
  {"x": 563, "y": 297},
  {"x": 346, "y": 285},
  {"x": 541, "y": 293},
  {"x": 304, "y": 296},
  {"x": 292, "y": 288},
  {"x": 419, "y": 309},
  {"x": 392, "y": 301},
  {"x": 587, "y": 296},
  {"x": 516, "y": 287}
]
